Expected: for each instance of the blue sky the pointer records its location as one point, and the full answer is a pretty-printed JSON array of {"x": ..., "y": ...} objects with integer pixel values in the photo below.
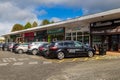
[
  {"x": 23, "y": 11},
  {"x": 59, "y": 11}
]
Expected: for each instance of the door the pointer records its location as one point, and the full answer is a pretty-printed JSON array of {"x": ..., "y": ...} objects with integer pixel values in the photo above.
[
  {"x": 114, "y": 43},
  {"x": 69, "y": 47},
  {"x": 79, "y": 47}
]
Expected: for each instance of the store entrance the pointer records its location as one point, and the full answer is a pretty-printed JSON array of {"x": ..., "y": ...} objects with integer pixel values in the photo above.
[
  {"x": 111, "y": 41},
  {"x": 55, "y": 37}
]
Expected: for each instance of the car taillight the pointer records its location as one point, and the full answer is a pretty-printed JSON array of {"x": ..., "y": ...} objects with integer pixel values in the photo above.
[
  {"x": 29, "y": 46},
  {"x": 54, "y": 48},
  {"x": 41, "y": 48},
  {"x": 16, "y": 46}
]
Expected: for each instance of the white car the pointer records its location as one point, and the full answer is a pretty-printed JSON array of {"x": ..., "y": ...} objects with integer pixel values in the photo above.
[
  {"x": 33, "y": 47},
  {"x": 22, "y": 48}
]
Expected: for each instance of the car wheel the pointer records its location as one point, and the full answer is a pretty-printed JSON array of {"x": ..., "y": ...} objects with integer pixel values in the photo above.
[
  {"x": 90, "y": 54},
  {"x": 34, "y": 52},
  {"x": 5, "y": 49},
  {"x": 60, "y": 55},
  {"x": 20, "y": 51}
]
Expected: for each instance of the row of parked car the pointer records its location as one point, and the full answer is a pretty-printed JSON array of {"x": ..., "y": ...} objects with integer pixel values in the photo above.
[{"x": 57, "y": 49}]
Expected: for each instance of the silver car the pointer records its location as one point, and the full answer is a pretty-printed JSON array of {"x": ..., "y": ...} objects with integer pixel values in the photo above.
[
  {"x": 33, "y": 47},
  {"x": 22, "y": 48}
]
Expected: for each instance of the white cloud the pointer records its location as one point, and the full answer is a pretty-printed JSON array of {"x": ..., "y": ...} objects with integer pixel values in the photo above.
[
  {"x": 55, "y": 19},
  {"x": 22, "y": 11}
]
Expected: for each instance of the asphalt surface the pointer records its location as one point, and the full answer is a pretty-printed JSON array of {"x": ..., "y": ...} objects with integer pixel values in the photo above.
[{"x": 30, "y": 67}]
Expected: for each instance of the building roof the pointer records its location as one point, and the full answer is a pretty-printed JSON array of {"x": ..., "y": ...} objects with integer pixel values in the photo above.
[{"x": 107, "y": 15}]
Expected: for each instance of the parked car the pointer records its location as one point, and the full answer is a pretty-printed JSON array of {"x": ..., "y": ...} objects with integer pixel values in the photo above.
[
  {"x": 61, "y": 49},
  {"x": 22, "y": 48},
  {"x": 1, "y": 44},
  {"x": 5, "y": 46},
  {"x": 33, "y": 47},
  {"x": 10, "y": 46},
  {"x": 15, "y": 46},
  {"x": 43, "y": 49}
]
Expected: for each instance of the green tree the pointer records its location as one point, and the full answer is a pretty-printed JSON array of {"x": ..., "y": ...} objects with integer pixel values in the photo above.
[
  {"x": 52, "y": 22},
  {"x": 17, "y": 27},
  {"x": 34, "y": 24},
  {"x": 28, "y": 25},
  {"x": 44, "y": 22}
]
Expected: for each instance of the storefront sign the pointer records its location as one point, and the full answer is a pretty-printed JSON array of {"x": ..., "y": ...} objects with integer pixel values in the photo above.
[
  {"x": 29, "y": 34},
  {"x": 14, "y": 36},
  {"x": 98, "y": 24},
  {"x": 97, "y": 32},
  {"x": 54, "y": 31}
]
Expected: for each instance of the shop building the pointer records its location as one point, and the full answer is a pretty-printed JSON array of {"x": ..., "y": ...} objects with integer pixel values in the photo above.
[
  {"x": 106, "y": 32},
  {"x": 41, "y": 35},
  {"x": 56, "y": 34},
  {"x": 93, "y": 29}
]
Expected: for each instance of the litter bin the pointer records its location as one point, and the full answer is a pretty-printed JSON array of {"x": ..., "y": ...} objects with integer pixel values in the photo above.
[{"x": 102, "y": 49}]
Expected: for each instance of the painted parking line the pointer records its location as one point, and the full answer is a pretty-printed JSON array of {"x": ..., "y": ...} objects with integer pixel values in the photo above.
[
  {"x": 18, "y": 63},
  {"x": 61, "y": 61},
  {"x": 86, "y": 59},
  {"x": 47, "y": 62},
  {"x": 22, "y": 59},
  {"x": 33, "y": 62},
  {"x": 4, "y": 64},
  {"x": 74, "y": 59}
]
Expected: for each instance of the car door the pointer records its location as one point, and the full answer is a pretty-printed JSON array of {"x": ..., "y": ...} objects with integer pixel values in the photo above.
[
  {"x": 79, "y": 47},
  {"x": 70, "y": 48},
  {"x": 25, "y": 47}
]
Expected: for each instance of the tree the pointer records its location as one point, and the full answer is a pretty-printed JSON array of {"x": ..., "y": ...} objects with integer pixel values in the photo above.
[
  {"x": 44, "y": 22},
  {"x": 28, "y": 25},
  {"x": 17, "y": 27},
  {"x": 34, "y": 24},
  {"x": 52, "y": 22}
]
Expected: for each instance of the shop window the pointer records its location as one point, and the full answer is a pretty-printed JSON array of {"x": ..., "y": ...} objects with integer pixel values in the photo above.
[
  {"x": 86, "y": 39},
  {"x": 79, "y": 38},
  {"x": 74, "y": 38},
  {"x": 74, "y": 34},
  {"x": 79, "y": 33},
  {"x": 86, "y": 33},
  {"x": 68, "y": 34},
  {"x": 68, "y": 38}
]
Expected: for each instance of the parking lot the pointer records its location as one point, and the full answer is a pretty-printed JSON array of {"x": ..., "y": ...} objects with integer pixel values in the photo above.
[
  {"x": 34, "y": 67},
  {"x": 10, "y": 58}
]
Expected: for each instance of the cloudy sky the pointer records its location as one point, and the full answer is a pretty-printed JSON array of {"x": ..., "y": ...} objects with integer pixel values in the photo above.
[{"x": 22, "y": 11}]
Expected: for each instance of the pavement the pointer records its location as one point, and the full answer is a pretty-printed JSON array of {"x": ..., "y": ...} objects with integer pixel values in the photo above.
[{"x": 111, "y": 53}]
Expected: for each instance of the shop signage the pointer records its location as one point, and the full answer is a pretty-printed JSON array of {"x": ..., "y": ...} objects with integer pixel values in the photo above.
[
  {"x": 97, "y": 32},
  {"x": 29, "y": 34},
  {"x": 14, "y": 36},
  {"x": 98, "y": 24},
  {"x": 54, "y": 31},
  {"x": 69, "y": 29}
]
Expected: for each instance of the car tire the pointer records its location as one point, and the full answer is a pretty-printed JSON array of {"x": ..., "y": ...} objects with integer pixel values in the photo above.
[
  {"x": 20, "y": 51},
  {"x": 34, "y": 51},
  {"x": 60, "y": 55},
  {"x": 5, "y": 49},
  {"x": 90, "y": 54}
]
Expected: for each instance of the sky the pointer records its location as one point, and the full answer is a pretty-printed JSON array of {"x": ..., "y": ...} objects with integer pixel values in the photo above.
[{"x": 23, "y": 11}]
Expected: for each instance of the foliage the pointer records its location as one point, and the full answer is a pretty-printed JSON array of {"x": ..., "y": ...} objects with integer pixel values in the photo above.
[
  {"x": 34, "y": 24},
  {"x": 28, "y": 25},
  {"x": 17, "y": 27},
  {"x": 44, "y": 22}
]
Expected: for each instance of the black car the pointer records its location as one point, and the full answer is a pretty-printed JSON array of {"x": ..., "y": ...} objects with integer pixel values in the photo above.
[
  {"x": 5, "y": 46},
  {"x": 61, "y": 49},
  {"x": 15, "y": 46},
  {"x": 43, "y": 49}
]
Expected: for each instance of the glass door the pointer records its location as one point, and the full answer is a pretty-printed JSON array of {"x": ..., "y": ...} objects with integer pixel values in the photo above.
[{"x": 114, "y": 43}]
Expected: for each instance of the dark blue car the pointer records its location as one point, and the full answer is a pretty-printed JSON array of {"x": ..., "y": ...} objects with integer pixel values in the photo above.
[{"x": 61, "y": 49}]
